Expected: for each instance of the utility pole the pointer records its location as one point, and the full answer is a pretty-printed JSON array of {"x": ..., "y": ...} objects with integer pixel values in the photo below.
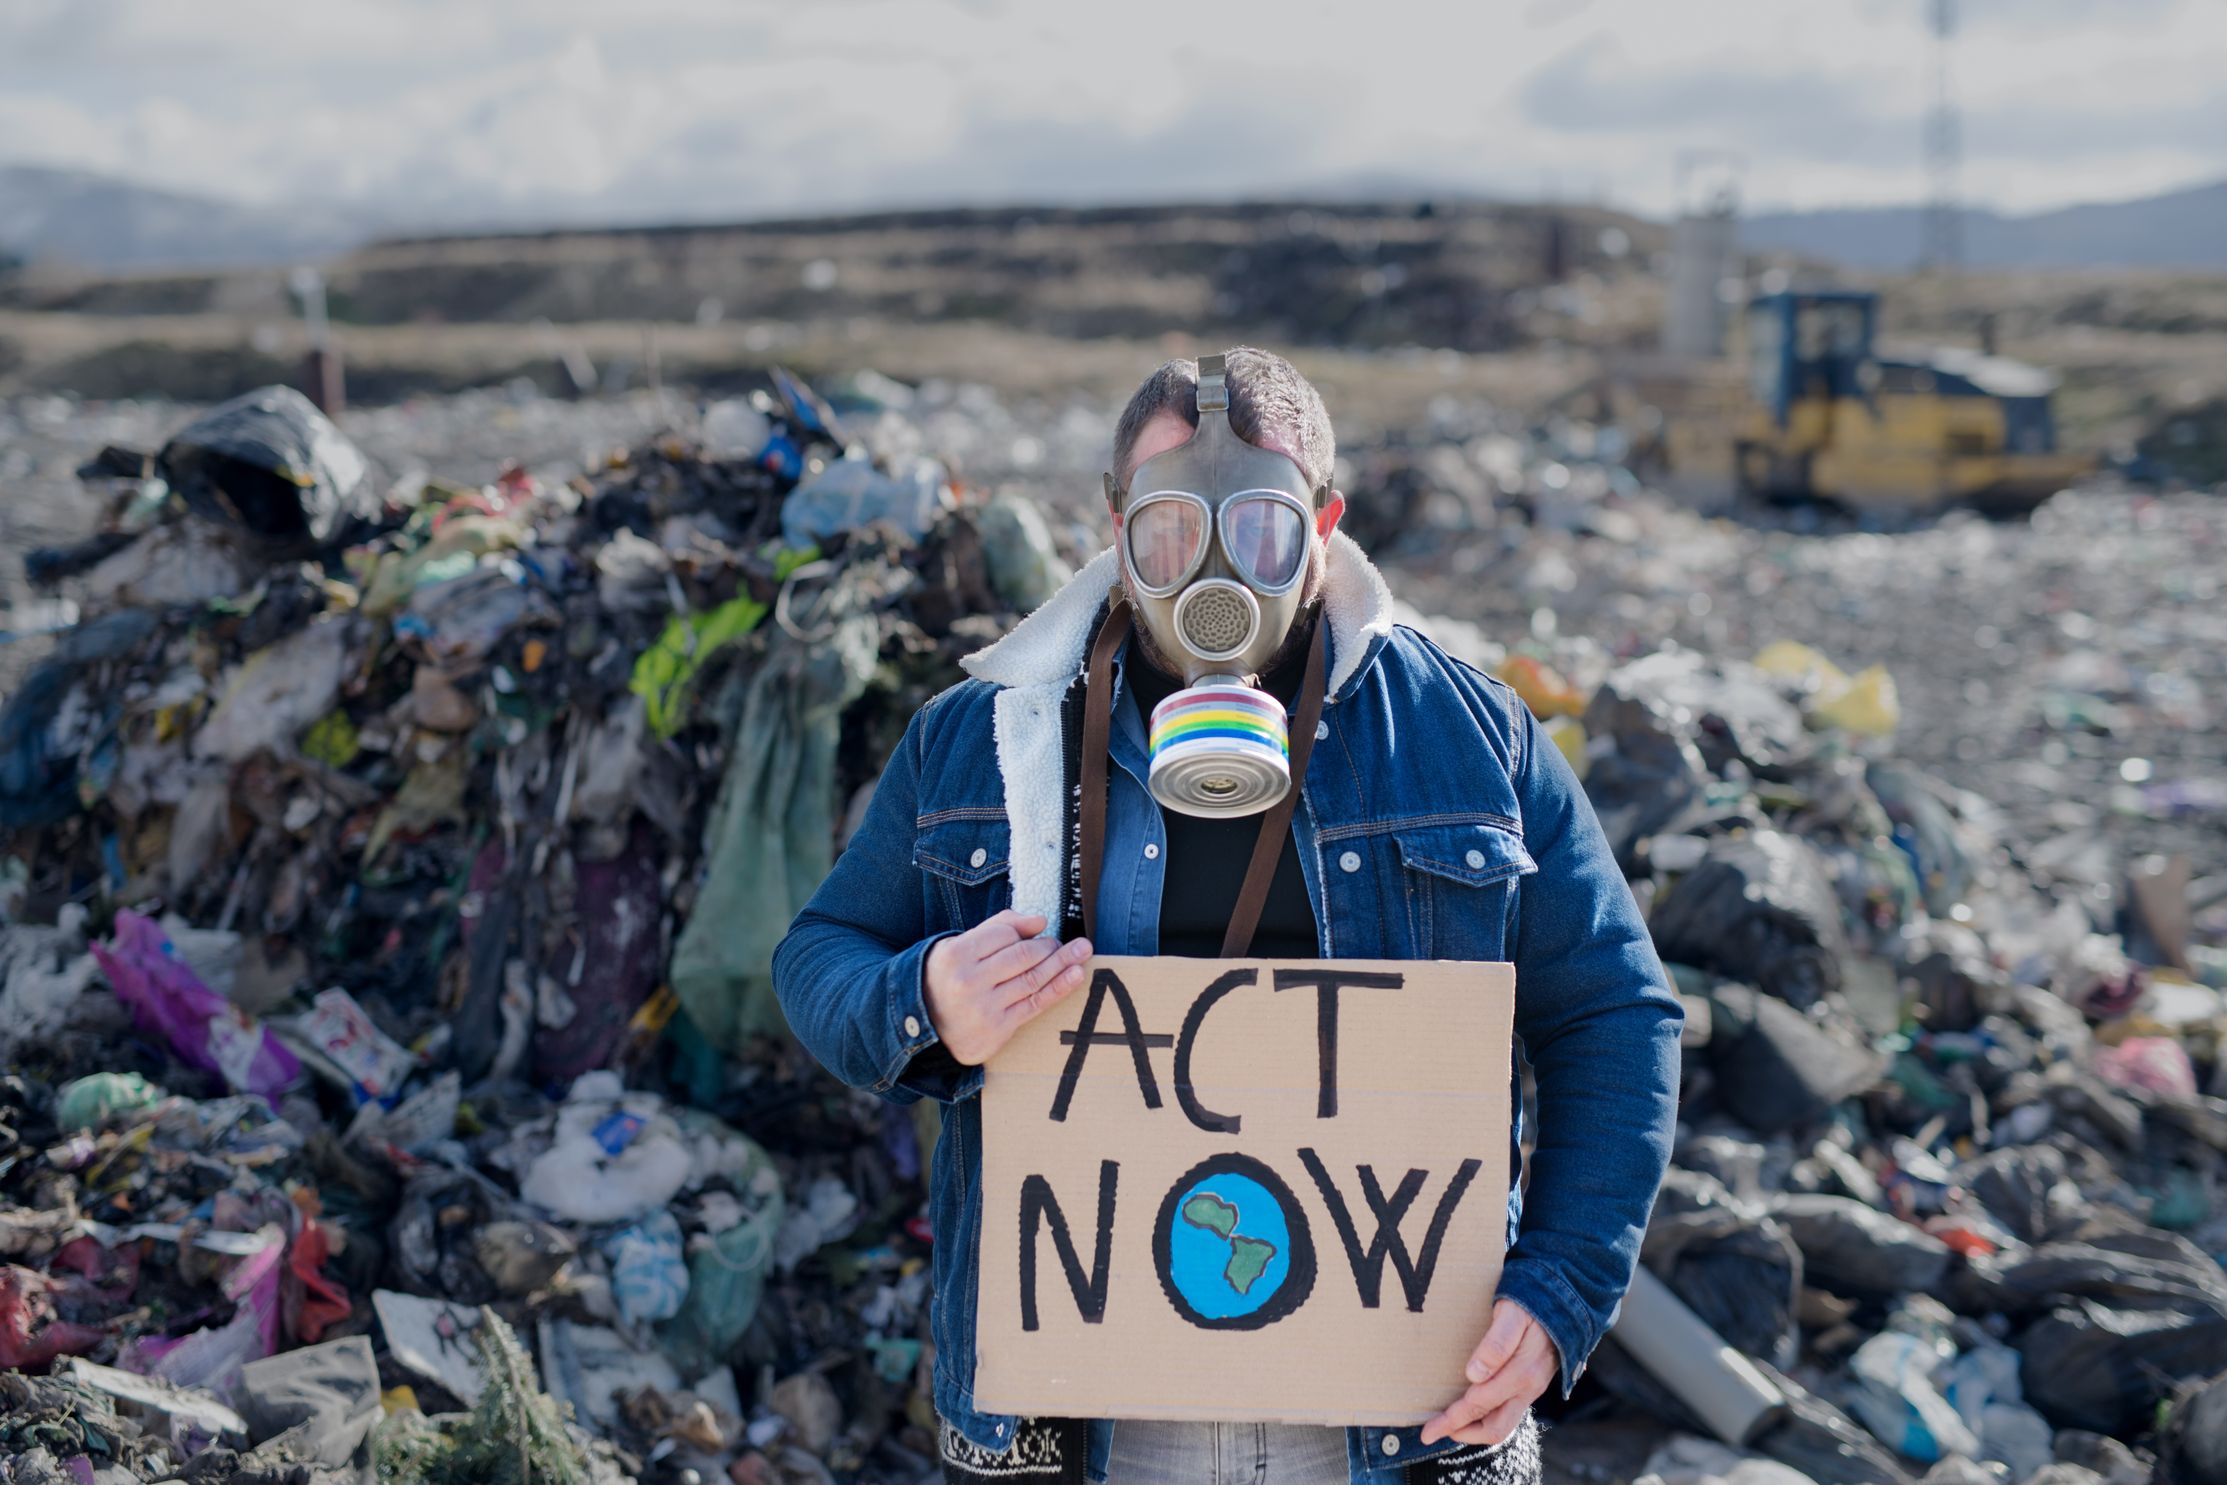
[{"x": 1943, "y": 248}]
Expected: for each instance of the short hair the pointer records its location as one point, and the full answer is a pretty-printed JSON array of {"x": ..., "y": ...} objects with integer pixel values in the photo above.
[{"x": 1268, "y": 398}]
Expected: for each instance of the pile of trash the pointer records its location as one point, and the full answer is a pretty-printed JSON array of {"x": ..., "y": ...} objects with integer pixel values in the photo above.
[
  {"x": 2187, "y": 444},
  {"x": 1954, "y": 955},
  {"x": 393, "y": 1086},
  {"x": 1944, "y": 1196},
  {"x": 391, "y": 887}
]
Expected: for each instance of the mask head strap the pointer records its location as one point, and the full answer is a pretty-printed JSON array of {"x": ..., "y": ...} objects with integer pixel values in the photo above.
[
  {"x": 1213, "y": 397},
  {"x": 1213, "y": 390}
]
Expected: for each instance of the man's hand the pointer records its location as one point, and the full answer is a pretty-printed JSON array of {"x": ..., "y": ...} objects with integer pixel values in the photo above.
[
  {"x": 1511, "y": 1366},
  {"x": 987, "y": 983}
]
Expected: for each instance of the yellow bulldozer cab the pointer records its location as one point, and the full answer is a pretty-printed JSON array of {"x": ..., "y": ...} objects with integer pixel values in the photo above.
[{"x": 1809, "y": 409}]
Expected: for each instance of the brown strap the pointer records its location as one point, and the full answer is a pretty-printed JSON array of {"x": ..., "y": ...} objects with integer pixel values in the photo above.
[
  {"x": 1097, "y": 740},
  {"x": 1275, "y": 826}
]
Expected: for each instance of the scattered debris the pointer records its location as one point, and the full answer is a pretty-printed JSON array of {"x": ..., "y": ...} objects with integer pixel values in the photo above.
[{"x": 391, "y": 880}]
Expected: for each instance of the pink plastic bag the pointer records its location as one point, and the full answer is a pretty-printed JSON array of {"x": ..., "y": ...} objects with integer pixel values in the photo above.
[
  {"x": 212, "y": 1357},
  {"x": 2156, "y": 1063},
  {"x": 206, "y": 1030}
]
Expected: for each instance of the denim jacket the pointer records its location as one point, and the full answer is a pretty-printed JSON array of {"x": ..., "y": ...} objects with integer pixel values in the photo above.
[{"x": 1437, "y": 821}]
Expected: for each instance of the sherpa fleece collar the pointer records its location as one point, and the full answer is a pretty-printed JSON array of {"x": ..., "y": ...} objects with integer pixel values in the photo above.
[{"x": 1047, "y": 647}]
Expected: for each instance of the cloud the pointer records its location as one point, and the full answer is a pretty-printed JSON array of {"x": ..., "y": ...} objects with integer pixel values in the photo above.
[
  {"x": 1998, "y": 20},
  {"x": 710, "y": 108},
  {"x": 1798, "y": 113}
]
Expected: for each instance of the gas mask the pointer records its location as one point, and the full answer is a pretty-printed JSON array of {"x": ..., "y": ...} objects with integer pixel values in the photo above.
[{"x": 1214, "y": 549}]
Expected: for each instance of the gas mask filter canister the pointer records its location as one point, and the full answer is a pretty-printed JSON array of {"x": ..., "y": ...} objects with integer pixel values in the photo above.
[{"x": 1214, "y": 547}]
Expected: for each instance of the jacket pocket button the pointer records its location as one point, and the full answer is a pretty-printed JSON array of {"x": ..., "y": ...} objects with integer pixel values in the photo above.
[
  {"x": 1322, "y": 730},
  {"x": 1476, "y": 860},
  {"x": 1350, "y": 861},
  {"x": 912, "y": 1026},
  {"x": 981, "y": 856}
]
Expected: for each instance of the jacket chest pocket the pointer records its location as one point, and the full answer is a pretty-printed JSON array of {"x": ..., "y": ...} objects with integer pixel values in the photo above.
[
  {"x": 965, "y": 858},
  {"x": 1461, "y": 880}
]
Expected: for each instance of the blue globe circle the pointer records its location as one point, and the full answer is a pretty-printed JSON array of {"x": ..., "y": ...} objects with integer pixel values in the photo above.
[{"x": 1229, "y": 1247}]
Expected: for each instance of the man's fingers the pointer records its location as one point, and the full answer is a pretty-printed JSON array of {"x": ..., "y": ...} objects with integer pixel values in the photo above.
[
  {"x": 1500, "y": 1342},
  {"x": 1066, "y": 983},
  {"x": 999, "y": 929},
  {"x": 1463, "y": 1412},
  {"x": 1517, "y": 1383},
  {"x": 1495, "y": 1427},
  {"x": 1016, "y": 959},
  {"x": 1052, "y": 967}
]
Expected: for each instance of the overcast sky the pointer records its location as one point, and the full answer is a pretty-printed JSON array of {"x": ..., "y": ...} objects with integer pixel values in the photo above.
[{"x": 709, "y": 108}]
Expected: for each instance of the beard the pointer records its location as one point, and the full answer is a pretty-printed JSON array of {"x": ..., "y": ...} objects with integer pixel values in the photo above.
[{"x": 1291, "y": 647}]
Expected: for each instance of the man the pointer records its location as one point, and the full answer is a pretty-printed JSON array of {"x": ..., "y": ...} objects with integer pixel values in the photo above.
[{"x": 1029, "y": 818}]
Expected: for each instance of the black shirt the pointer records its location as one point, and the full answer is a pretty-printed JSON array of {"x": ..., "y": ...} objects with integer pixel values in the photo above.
[{"x": 1206, "y": 858}]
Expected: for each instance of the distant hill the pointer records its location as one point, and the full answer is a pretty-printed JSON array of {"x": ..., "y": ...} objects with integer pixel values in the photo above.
[
  {"x": 93, "y": 221},
  {"x": 106, "y": 225},
  {"x": 2181, "y": 229}
]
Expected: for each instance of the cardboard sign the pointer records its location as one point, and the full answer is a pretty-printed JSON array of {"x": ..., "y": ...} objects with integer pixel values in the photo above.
[{"x": 1246, "y": 1189}]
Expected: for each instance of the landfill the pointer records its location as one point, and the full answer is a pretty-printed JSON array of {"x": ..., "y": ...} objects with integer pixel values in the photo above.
[{"x": 392, "y": 864}]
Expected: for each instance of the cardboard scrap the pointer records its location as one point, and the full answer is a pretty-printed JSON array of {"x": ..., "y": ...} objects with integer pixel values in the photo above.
[{"x": 1246, "y": 1189}]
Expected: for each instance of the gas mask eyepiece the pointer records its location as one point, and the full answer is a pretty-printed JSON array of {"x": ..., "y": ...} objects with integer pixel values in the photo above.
[{"x": 1214, "y": 546}]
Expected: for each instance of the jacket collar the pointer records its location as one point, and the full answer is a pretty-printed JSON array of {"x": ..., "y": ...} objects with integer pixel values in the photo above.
[{"x": 1047, "y": 648}]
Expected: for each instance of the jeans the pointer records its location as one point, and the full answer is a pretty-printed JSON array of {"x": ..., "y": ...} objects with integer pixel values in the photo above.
[
  {"x": 1147, "y": 1453},
  {"x": 1155, "y": 1453}
]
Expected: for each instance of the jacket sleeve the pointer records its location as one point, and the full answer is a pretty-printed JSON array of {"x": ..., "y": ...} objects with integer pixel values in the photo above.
[
  {"x": 1600, "y": 1027},
  {"x": 850, "y": 972}
]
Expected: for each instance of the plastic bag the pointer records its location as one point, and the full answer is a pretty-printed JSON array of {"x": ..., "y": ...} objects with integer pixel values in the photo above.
[
  {"x": 2089, "y": 1366},
  {"x": 2025, "y": 1188},
  {"x": 1758, "y": 909},
  {"x": 727, "y": 1263},
  {"x": 1647, "y": 771},
  {"x": 32, "y": 1334},
  {"x": 1896, "y": 1398},
  {"x": 206, "y": 1030},
  {"x": 458, "y": 622},
  {"x": 2125, "y": 1265},
  {"x": 615, "y": 1156},
  {"x": 268, "y": 463},
  {"x": 852, "y": 493},
  {"x": 363, "y": 1059},
  {"x": 278, "y": 693},
  {"x": 89, "y": 1101},
  {"x": 2193, "y": 1449},
  {"x": 1823, "y": 1442},
  {"x": 1775, "y": 1068},
  {"x": 1543, "y": 688},
  {"x": 649, "y": 1280},
  {"x": 771, "y": 839},
  {"x": 1847, "y": 1245},
  {"x": 212, "y": 1357},
  {"x": 1025, "y": 566},
  {"x": 38, "y": 745}
]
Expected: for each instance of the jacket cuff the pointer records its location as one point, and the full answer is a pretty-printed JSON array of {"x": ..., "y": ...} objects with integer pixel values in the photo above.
[
  {"x": 922, "y": 1065},
  {"x": 1547, "y": 1298}
]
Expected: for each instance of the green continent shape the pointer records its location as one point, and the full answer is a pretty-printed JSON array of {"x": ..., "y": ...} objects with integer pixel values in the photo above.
[
  {"x": 1212, "y": 1213},
  {"x": 1248, "y": 1260}
]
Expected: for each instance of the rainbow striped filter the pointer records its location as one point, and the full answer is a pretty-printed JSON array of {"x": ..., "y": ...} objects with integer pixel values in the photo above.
[{"x": 1219, "y": 748}]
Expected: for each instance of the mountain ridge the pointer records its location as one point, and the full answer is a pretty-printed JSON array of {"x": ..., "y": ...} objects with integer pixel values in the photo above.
[
  {"x": 89, "y": 221},
  {"x": 2185, "y": 228}
]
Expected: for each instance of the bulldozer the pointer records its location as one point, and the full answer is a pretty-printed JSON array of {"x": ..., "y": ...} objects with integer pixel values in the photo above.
[{"x": 1807, "y": 409}]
